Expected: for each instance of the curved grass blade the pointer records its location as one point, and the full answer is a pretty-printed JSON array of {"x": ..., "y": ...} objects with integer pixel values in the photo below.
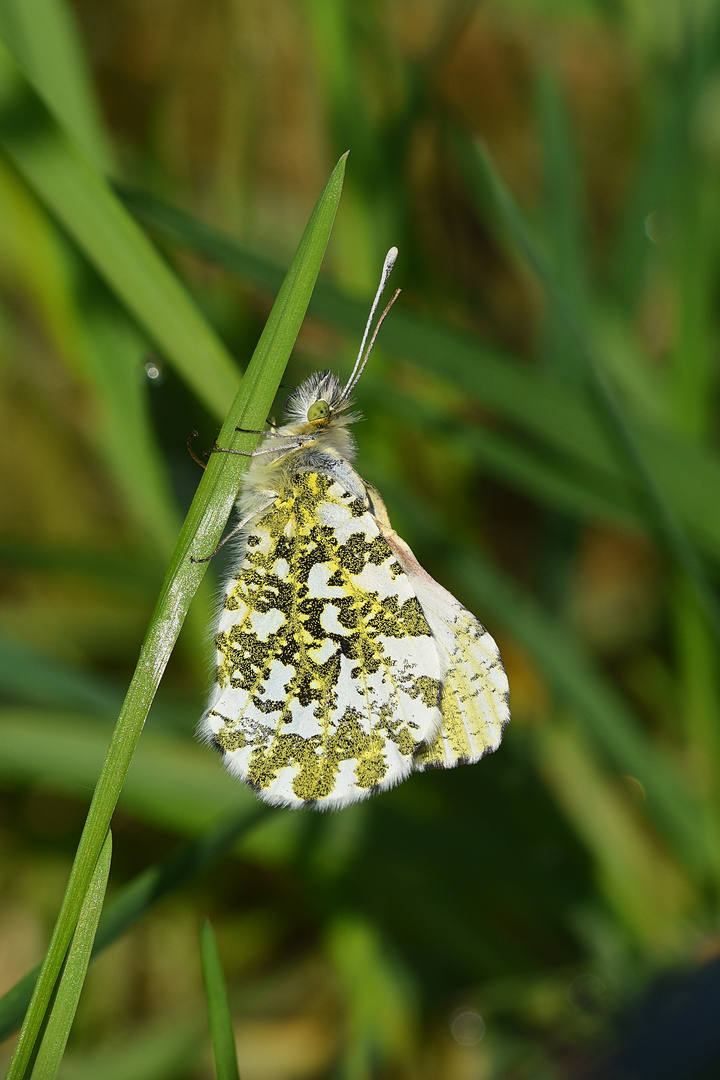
[
  {"x": 71, "y": 982},
  {"x": 78, "y": 196},
  {"x": 637, "y": 874},
  {"x": 221, "y": 1029},
  {"x": 381, "y": 1001},
  {"x": 166, "y": 1049},
  {"x": 667, "y": 525},
  {"x": 134, "y": 900},
  {"x": 564, "y": 223},
  {"x": 121, "y": 571},
  {"x": 43, "y": 37},
  {"x": 559, "y": 416},
  {"x": 202, "y": 529},
  {"x": 31, "y": 675},
  {"x": 575, "y": 678},
  {"x": 534, "y": 470},
  {"x": 101, "y": 347},
  {"x": 607, "y": 718},
  {"x": 172, "y": 782}
]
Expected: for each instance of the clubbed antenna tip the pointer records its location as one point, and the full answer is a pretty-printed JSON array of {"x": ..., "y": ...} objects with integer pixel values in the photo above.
[{"x": 362, "y": 356}]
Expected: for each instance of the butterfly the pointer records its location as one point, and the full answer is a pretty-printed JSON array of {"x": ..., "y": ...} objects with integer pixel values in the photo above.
[{"x": 342, "y": 666}]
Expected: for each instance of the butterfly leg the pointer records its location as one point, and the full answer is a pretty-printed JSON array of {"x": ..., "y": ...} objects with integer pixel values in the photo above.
[
  {"x": 272, "y": 432},
  {"x": 238, "y": 528},
  {"x": 295, "y": 445},
  {"x": 193, "y": 435}
]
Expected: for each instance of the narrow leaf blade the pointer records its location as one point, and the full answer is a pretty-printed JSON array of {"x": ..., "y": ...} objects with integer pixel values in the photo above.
[
  {"x": 221, "y": 1029},
  {"x": 58, "y": 1028},
  {"x": 82, "y": 201},
  {"x": 203, "y": 526}
]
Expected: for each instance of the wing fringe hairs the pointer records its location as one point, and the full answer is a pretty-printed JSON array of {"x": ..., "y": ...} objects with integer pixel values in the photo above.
[{"x": 342, "y": 666}]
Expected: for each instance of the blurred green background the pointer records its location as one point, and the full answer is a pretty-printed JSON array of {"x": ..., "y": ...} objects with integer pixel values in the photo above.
[{"x": 506, "y": 920}]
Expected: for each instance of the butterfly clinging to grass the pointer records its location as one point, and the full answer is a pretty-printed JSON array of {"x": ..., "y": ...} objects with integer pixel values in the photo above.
[{"x": 342, "y": 666}]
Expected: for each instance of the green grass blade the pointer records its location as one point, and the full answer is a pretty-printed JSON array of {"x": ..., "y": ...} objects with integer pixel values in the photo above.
[
  {"x": 166, "y": 1049},
  {"x": 573, "y": 675},
  {"x": 73, "y": 977},
  {"x": 694, "y": 379},
  {"x": 221, "y": 1029},
  {"x": 656, "y": 186},
  {"x": 101, "y": 346},
  {"x": 668, "y": 527},
  {"x": 80, "y": 199},
  {"x": 559, "y": 416},
  {"x": 200, "y": 533},
  {"x": 609, "y": 721},
  {"x": 112, "y": 348},
  {"x": 36, "y": 677},
  {"x": 112, "y": 570},
  {"x": 178, "y": 227},
  {"x": 44, "y": 38},
  {"x": 15, "y": 1001},
  {"x": 139, "y": 896},
  {"x": 380, "y": 999},
  {"x": 64, "y": 752},
  {"x": 532, "y": 469},
  {"x": 563, "y": 221},
  {"x": 699, "y": 690},
  {"x": 153, "y": 884},
  {"x": 636, "y": 874}
]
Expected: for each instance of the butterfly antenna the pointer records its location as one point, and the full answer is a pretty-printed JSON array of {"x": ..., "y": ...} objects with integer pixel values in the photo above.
[
  {"x": 372, "y": 339},
  {"x": 362, "y": 356}
]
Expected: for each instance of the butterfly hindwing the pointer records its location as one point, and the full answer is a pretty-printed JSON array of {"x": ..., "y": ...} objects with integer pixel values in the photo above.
[
  {"x": 475, "y": 694},
  {"x": 329, "y": 678}
]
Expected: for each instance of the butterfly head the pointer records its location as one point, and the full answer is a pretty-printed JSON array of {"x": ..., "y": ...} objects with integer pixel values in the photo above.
[{"x": 317, "y": 401}]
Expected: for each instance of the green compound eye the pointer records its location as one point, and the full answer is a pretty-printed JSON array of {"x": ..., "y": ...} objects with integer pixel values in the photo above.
[{"x": 319, "y": 410}]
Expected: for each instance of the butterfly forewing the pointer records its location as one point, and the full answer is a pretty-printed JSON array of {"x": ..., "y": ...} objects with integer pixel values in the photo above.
[{"x": 329, "y": 678}]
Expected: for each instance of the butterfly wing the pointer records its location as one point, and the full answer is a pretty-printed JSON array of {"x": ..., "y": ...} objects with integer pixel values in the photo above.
[
  {"x": 328, "y": 675},
  {"x": 475, "y": 694}
]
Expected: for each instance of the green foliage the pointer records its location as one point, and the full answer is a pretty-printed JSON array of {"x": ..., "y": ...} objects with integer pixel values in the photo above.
[
  {"x": 62, "y": 1012},
  {"x": 207, "y": 515},
  {"x": 221, "y": 1030},
  {"x": 542, "y": 421}
]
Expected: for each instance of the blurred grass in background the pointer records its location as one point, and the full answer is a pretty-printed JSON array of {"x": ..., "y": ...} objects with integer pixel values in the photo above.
[{"x": 494, "y": 921}]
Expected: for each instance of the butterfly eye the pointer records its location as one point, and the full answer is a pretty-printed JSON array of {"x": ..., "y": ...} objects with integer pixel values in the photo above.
[{"x": 319, "y": 410}]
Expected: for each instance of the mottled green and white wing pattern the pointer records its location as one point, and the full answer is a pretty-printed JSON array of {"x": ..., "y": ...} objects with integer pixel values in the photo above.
[
  {"x": 475, "y": 694},
  {"x": 329, "y": 678}
]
